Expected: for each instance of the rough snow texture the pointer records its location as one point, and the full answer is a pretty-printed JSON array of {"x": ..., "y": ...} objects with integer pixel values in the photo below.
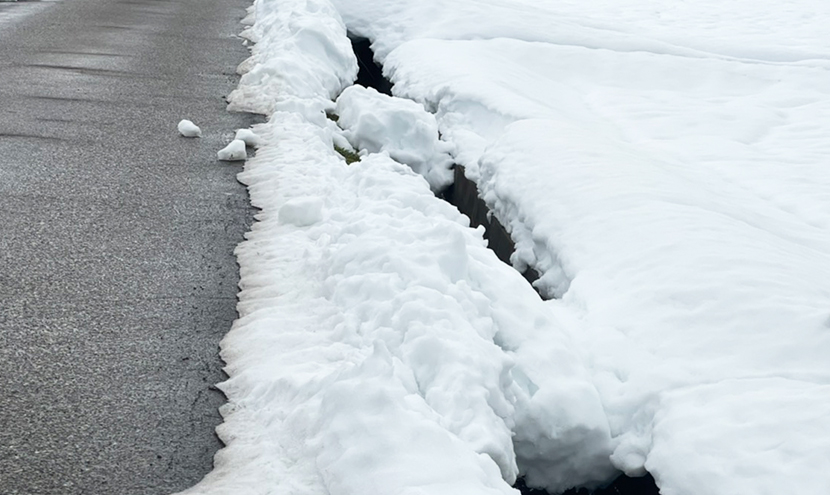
[
  {"x": 376, "y": 122},
  {"x": 302, "y": 56},
  {"x": 664, "y": 165},
  {"x": 381, "y": 347}
]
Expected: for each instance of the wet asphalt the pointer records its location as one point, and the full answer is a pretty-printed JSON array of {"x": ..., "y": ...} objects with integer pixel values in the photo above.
[{"x": 117, "y": 275}]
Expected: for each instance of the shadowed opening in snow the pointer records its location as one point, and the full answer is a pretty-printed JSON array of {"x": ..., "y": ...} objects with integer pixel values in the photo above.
[
  {"x": 623, "y": 485},
  {"x": 463, "y": 194},
  {"x": 370, "y": 73}
]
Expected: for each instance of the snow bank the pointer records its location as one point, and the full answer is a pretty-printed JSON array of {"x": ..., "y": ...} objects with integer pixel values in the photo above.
[
  {"x": 671, "y": 295},
  {"x": 301, "y": 55},
  {"x": 664, "y": 167},
  {"x": 381, "y": 347},
  {"x": 763, "y": 30}
]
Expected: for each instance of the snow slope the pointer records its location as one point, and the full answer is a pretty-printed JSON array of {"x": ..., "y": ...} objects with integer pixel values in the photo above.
[
  {"x": 662, "y": 164},
  {"x": 381, "y": 347}
]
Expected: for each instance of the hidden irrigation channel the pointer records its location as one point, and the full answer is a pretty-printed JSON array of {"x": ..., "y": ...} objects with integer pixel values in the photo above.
[{"x": 463, "y": 194}]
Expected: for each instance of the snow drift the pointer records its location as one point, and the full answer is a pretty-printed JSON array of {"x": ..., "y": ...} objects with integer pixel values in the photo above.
[
  {"x": 663, "y": 166},
  {"x": 381, "y": 347}
]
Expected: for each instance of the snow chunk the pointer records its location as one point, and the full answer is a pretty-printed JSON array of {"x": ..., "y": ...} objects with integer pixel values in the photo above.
[
  {"x": 302, "y": 212},
  {"x": 235, "y": 151},
  {"x": 189, "y": 129},
  {"x": 249, "y": 136},
  {"x": 377, "y": 122},
  {"x": 301, "y": 51}
]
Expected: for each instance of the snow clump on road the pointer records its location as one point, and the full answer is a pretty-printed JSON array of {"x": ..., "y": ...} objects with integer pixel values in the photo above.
[
  {"x": 234, "y": 151},
  {"x": 189, "y": 129}
]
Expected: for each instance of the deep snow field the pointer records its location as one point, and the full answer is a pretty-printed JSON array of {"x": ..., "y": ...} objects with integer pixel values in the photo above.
[{"x": 665, "y": 167}]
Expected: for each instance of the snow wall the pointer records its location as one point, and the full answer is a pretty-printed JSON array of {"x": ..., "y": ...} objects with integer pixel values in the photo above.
[{"x": 663, "y": 168}]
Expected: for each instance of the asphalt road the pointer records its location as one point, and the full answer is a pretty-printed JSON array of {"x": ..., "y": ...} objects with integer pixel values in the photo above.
[{"x": 117, "y": 277}]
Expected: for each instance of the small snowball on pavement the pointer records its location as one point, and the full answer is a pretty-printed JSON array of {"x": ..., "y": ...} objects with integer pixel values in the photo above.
[
  {"x": 249, "y": 137},
  {"x": 235, "y": 151},
  {"x": 189, "y": 129}
]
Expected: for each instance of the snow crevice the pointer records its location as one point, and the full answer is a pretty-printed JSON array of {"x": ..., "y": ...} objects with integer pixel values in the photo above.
[{"x": 655, "y": 193}]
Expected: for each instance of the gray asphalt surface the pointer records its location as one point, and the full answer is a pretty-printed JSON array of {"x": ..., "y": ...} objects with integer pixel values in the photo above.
[{"x": 117, "y": 278}]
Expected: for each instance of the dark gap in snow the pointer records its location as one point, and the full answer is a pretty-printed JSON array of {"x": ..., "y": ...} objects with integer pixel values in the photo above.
[
  {"x": 623, "y": 485},
  {"x": 463, "y": 194},
  {"x": 371, "y": 73}
]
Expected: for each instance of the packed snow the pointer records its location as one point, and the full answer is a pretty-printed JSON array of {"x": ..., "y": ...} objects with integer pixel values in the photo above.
[
  {"x": 189, "y": 129},
  {"x": 249, "y": 137},
  {"x": 377, "y": 333},
  {"x": 375, "y": 122},
  {"x": 662, "y": 165},
  {"x": 234, "y": 151}
]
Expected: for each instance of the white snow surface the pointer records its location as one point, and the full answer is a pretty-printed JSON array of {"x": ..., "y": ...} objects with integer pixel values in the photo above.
[
  {"x": 188, "y": 129},
  {"x": 376, "y": 122},
  {"x": 381, "y": 347},
  {"x": 662, "y": 164},
  {"x": 234, "y": 151},
  {"x": 365, "y": 358},
  {"x": 249, "y": 137}
]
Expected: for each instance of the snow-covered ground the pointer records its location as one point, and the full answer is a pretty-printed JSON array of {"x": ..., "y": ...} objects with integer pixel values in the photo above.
[{"x": 664, "y": 166}]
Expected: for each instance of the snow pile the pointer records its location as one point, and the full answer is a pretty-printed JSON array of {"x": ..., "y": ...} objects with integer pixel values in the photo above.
[
  {"x": 302, "y": 55},
  {"x": 376, "y": 122},
  {"x": 676, "y": 298},
  {"x": 664, "y": 167},
  {"x": 381, "y": 347}
]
